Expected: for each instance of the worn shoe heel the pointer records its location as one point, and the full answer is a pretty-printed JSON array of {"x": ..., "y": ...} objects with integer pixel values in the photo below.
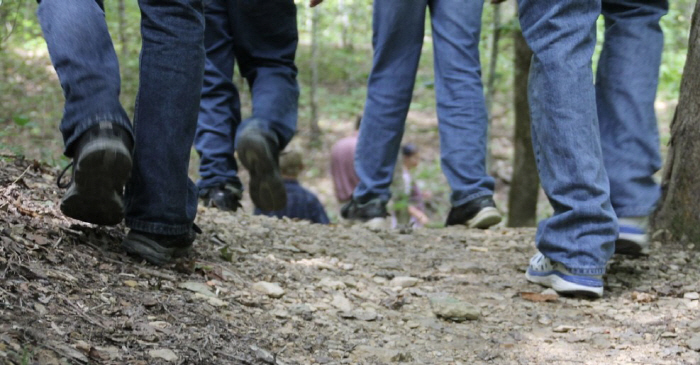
[
  {"x": 266, "y": 185},
  {"x": 159, "y": 249},
  {"x": 99, "y": 178},
  {"x": 486, "y": 218}
]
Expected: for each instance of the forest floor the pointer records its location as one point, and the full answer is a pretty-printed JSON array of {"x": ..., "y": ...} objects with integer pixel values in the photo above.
[{"x": 267, "y": 291}]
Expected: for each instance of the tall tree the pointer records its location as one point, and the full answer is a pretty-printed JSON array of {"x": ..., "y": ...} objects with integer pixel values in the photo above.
[
  {"x": 491, "y": 79},
  {"x": 121, "y": 13},
  {"x": 679, "y": 210},
  {"x": 524, "y": 188},
  {"x": 315, "y": 131}
]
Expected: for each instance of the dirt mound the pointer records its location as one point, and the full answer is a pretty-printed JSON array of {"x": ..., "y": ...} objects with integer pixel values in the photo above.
[{"x": 267, "y": 291}]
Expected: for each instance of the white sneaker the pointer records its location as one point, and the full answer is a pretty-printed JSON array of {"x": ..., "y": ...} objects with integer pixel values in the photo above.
[{"x": 554, "y": 275}]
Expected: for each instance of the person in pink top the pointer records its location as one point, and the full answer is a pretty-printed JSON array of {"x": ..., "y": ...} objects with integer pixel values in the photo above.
[{"x": 343, "y": 166}]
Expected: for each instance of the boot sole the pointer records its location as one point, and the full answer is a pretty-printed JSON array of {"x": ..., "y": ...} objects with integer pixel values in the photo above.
[
  {"x": 151, "y": 251},
  {"x": 266, "y": 186},
  {"x": 632, "y": 244},
  {"x": 101, "y": 172},
  {"x": 486, "y": 218}
]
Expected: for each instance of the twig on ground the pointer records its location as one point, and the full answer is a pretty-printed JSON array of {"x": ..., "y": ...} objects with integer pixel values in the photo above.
[
  {"x": 156, "y": 273},
  {"x": 234, "y": 357},
  {"x": 21, "y": 175}
]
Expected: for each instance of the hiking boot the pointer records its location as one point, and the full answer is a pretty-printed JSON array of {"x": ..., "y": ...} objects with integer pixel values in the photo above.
[
  {"x": 101, "y": 167},
  {"x": 159, "y": 249},
  {"x": 226, "y": 197},
  {"x": 258, "y": 151},
  {"x": 554, "y": 275},
  {"x": 364, "y": 212},
  {"x": 478, "y": 213},
  {"x": 633, "y": 239}
]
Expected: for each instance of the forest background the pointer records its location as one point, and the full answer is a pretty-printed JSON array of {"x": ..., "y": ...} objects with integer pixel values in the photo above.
[{"x": 334, "y": 59}]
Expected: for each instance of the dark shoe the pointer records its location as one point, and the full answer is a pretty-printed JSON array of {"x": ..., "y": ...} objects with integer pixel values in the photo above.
[
  {"x": 159, "y": 249},
  {"x": 633, "y": 239},
  {"x": 478, "y": 213},
  {"x": 355, "y": 210},
  {"x": 226, "y": 197},
  {"x": 258, "y": 151},
  {"x": 101, "y": 167}
]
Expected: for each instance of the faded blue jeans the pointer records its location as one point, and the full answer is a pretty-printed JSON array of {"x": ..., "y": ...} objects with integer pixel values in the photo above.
[
  {"x": 261, "y": 35},
  {"x": 566, "y": 127},
  {"x": 160, "y": 198},
  {"x": 398, "y": 31},
  {"x": 626, "y": 83}
]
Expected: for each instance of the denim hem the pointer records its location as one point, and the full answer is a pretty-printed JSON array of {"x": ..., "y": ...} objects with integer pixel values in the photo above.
[
  {"x": 384, "y": 198},
  {"x": 217, "y": 181},
  {"x": 471, "y": 197},
  {"x": 158, "y": 228},
  {"x": 586, "y": 270},
  {"x": 83, "y": 126},
  {"x": 633, "y": 212}
]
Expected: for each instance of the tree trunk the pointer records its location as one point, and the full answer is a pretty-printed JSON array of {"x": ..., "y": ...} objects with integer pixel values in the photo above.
[
  {"x": 344, "y": 11},
  {"x": 315, "y": 135},
  {"x": 524, "y": 188},
  {"x": 121, "y": 13},
  {"x": 491, "y": 79},
  {"x": 679, "y": 210}
]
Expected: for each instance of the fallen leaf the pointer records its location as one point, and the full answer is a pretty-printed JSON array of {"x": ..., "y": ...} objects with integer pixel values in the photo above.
[
  {"x": 643, "y": 297},
  {"x": 539, "y": 297},
  {"x": 131, "y": 283}
]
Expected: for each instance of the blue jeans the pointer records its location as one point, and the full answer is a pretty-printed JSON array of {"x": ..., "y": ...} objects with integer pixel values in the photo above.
[
  {"x": 565, "y": 112},
  {"x": 261, "y": 35},
  {"x": 160, "y": 198},
  {"x": 625, "y": 92},
  {"x": 398, "y": 31}
]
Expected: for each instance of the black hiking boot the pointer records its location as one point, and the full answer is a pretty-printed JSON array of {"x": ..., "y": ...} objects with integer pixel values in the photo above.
[
  {"x": 226, "y": 197},
  {"x": 364, "y": 212},
  {"x": 258, "y": 151},
  {"x": 159, "y": 249},
  {"x": 478, "y": 213},
  {"x": 101, "y": 167}
]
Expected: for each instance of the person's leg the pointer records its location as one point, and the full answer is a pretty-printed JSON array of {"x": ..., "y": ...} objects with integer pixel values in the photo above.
[
  {"x": 219, "y": 112},
  {"x": 161, "y": 199},
  {"x": 397, "y": 39},
  {"x": 626, "y": 83},
  {"x": 579, "y": 237},
  {"x": 87, "y": 66},
  {"x": 461, "y": 108},
  {"x": 95, "y": 127},
  {"x": 265, "y": 39}
]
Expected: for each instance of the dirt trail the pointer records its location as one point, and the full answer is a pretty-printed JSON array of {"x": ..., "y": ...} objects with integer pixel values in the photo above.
[{"x": 336, "y": 295}]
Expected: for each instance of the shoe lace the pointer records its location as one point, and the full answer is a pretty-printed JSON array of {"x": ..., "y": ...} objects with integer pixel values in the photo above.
[{"x": 60, "y": 177}]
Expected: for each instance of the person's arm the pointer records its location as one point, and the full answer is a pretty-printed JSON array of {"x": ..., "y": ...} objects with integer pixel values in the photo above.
[
  {"x": 313, "y": 3},
  {"x": 418, "y": 214}
]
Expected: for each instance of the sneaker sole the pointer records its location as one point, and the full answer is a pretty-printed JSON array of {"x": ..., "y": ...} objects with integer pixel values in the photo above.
[
  {"x": 564, "y": 287},
  {"x": 266, "y": 187},
  {"x": 632, "y": 244},
  {"x": 151, "y": 251},
  {"x": 486, "y": 218},
  {"x": 98, "y": 182}
]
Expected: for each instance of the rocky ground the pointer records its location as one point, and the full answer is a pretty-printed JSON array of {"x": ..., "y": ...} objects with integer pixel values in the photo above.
[{"x": 266, "y": 291}]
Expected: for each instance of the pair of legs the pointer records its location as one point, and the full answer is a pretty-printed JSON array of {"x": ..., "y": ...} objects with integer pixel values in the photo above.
[
  {"x": 398, "y": 32},
  {"x": 596, "y": 145},
  {"x": 262, "y": 37},
  {"x": 160, "y": 200}
]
